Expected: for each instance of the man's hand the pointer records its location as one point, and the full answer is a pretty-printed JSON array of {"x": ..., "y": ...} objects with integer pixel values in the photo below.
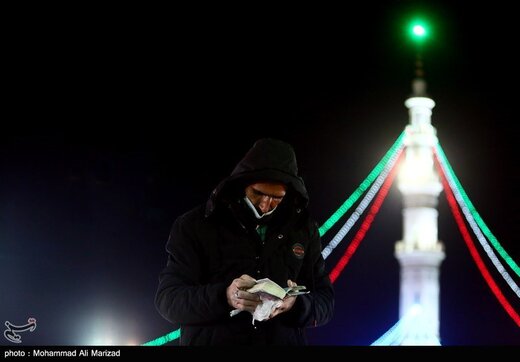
[
  {"x": 238, "y": 298},
  {"x": 287, "y": 302}
]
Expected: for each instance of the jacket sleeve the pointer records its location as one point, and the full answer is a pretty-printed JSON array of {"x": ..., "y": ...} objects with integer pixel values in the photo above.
[
  {"x": 182, "y": 296},
  {"x": 317, "y": 307}
]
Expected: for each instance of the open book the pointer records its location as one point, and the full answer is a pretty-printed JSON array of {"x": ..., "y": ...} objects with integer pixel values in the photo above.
[
  {"x": 271, "y": 295},
  {"x": 267, "y": 286}
]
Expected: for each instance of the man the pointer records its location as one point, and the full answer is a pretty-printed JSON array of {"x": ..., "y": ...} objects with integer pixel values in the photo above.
[{"x": 255, "y": 225}]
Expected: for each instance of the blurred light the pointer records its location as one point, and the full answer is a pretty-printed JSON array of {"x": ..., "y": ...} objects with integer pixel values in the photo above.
[
  {"x": 103, "y": 328},
  {"x": 418, "y": 30}
]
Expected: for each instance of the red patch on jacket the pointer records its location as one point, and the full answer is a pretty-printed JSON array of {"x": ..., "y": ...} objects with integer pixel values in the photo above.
[{"x": 298, "y": 250}]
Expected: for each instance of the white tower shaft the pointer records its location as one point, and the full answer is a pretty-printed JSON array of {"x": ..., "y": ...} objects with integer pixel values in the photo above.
[{"x": 419, "y": 253}]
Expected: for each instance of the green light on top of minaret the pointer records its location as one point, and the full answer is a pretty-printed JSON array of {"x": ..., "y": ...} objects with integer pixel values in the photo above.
[{"x": 418, "y": 30}]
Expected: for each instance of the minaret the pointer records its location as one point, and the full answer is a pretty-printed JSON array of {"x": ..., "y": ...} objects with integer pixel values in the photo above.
[{"x": 419, "y": 253}]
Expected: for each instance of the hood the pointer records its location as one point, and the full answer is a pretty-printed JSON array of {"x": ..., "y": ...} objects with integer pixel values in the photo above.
[{"x": 268, "y": 160}]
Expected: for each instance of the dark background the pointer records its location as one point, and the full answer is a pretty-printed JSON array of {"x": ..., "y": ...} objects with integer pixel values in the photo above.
[{"x": 116, "y": 123}]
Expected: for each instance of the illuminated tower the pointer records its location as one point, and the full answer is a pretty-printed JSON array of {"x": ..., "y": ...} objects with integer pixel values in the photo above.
[{"x": 419, "y": 253}]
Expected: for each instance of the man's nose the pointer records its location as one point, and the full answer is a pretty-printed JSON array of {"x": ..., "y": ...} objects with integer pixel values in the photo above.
[{"x": 265, "y": 203}]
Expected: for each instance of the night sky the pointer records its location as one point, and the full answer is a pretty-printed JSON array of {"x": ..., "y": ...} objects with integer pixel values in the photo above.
[{"x": 111, "y": 129}]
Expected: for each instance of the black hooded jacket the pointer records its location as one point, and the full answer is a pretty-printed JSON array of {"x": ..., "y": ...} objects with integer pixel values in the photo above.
[{"x": 215, "y": 243}]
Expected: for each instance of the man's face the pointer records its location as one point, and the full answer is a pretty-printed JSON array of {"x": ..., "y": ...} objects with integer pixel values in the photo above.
[{"x": 265, "y": 196}]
